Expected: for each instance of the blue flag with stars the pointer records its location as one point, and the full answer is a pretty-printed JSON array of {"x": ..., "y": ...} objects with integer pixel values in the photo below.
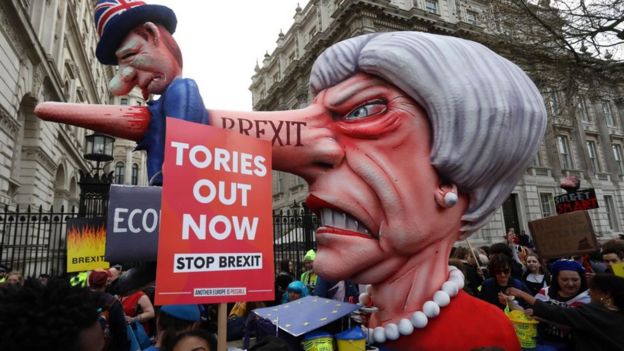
[{"x": 306, "y": 314}]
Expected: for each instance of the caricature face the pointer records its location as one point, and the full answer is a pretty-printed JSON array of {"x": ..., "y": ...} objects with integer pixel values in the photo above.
[
  {"x": 374, "y": 188},
  {"x": 145, "y": 62}
]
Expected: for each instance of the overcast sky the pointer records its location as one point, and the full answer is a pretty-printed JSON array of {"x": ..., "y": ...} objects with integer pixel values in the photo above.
[{"x": 221, "y": 41}]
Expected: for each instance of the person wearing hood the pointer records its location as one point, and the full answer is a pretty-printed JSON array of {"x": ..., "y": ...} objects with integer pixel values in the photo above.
[
  {"x": 295, "y": 291},
  {"x": 308, "y": 277}
]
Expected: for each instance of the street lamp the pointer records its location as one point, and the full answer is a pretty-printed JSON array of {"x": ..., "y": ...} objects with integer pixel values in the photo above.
[
  {"x": 94, "y": 187},
  {"x": 99, "y": 148}
]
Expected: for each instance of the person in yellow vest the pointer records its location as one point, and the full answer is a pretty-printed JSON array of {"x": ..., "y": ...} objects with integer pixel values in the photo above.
[
  {"x": 79, "y": 280},
  {"x": 3, "y": 272},
  {"x": 308, "y": 277}
]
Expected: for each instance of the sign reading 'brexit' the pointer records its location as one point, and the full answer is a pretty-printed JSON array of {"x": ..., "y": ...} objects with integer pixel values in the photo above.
[
  {"x": 579, "y": 200},
  {"x": 216, "y": 230}
]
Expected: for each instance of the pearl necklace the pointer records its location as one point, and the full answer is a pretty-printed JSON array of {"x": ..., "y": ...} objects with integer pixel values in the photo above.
[{"x": 418, "y": 319}]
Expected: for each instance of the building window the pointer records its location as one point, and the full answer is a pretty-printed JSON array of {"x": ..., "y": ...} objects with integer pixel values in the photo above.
[
  {"x": 431, "y": 6},
  {"x": 610, "y": 208},
  {"x": 120, "y": 171},
  {"x": 311, "y": 33},
  {"x": 471, "y": 17},
  {"x": 617, "y": 154},
  {"x": 546, "y": 200},
  {"x": 593, "y": 155},
  {"x": 554, "y": 103},
  {"x": 564, "y": 152},
  {"x": 608, "y": 114},
  {"x": 135, "y": 174},
  {"x": 582, "y": 107},
  {"x": 124, "y": 101}
]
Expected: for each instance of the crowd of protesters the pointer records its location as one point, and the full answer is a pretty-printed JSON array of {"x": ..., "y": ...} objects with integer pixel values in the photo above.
[{"x": 578, "y": 300}]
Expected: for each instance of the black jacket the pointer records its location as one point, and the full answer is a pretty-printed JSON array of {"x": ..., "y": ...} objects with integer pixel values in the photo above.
[{"x": 594, "y": 327}]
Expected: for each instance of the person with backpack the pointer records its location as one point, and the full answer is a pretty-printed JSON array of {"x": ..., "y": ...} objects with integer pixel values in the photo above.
[{"x": 110, "y": 313}]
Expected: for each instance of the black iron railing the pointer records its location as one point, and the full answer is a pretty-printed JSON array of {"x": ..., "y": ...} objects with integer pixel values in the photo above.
[
  {"x": 32, "y": 240},
  {"x": 293, "y": 233}
]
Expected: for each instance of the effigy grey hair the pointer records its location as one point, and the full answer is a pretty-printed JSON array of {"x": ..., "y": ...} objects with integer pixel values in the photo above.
[{"x": 487, "y": 116}]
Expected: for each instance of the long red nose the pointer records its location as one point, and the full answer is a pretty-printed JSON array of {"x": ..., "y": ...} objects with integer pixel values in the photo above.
[{"x": 297, "y": 136}]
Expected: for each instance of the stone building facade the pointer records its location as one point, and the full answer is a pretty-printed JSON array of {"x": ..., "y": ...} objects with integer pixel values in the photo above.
[
  {"x": 586, "y": 141},
  {"x": 47, "y": 53}
]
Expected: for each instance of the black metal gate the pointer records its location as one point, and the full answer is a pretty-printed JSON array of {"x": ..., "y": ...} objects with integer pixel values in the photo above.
[
  {"x": 32, "y": 240},
  {"x": 293, "y": 233}
]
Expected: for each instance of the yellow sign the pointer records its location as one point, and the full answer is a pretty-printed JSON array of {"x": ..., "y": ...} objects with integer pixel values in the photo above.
[
  {"x": 618, "y": 269},
  {"x": 86, "y": 243}
]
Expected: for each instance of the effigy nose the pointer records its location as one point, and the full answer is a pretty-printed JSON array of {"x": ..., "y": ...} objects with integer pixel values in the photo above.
[
  {"x": 123, "y": 81},
  {"x": 294, "y": 134}
]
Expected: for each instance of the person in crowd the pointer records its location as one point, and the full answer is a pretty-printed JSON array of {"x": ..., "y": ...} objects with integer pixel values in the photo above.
[
  {"x": 511, "y": 237},
  {"x": 284, "y": 277},
  {"x": 517, "y": 270},
  {"x": 138, "y": 308},
  {"x": 112, "y": 287},
  {"x": 568, "y": 289},
  {"x": 44, "y": 278},
  {"x": 109, "y": 307},
  {"x": 237, "y": 318},
  {"x": 172, "y": 320},
  {"x": 525, "y": 240},
  {"x": 501, "y": 280},
  {"x": 192, "y": 340},
  {"x": 474, "y": 269},
  {"x": 295, "y": 291},
  {"x": 309, "y": 277},
  {"x": 79, "y": 279},
  {"x": 15, "y": 278},
  {"x": 343, "y": 290},
  {"x": 52, "y": 317},
  {"x": 535, "y": 278},
  {"x": 613, "y": 252},
  {"x": 3, "y": 272},
  {"x": 597, "y": 325}
]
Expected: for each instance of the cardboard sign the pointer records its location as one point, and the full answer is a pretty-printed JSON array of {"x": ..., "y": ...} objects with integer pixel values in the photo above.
[
  {"x": 216, "y": 241},
  {"x": 579, "y": 200},
  {"x": 133, "y": 223},
  {"x": 86, "y": 240},
  {"x": 564, "y": 235}
]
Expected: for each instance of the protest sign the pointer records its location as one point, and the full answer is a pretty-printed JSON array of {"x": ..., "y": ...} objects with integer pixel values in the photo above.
[
  {"x": 86, "y": 240},
  {"x": 216, "y": 234},
  {"x": 563, "y": 235},
  {"x": 132, "y": 223},
  {"x": 618, "y": 269},
  {"x": 579, "y": 200}
]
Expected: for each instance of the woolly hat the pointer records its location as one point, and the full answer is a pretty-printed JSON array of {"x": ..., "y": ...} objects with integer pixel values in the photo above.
[
  {"x": 188, "y": 313},
  {"x": 566, "y": 265},
  {"x": 309, "y": 256},
  {"x": 97, "y": 279},
  {"x": 114, "y": 19}
]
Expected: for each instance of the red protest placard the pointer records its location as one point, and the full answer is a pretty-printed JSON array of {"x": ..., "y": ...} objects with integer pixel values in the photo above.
[{"x": 216, "y": 233}]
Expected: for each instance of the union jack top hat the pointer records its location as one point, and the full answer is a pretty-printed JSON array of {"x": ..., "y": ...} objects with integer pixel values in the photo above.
[{"x": 114, "y": 19}]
